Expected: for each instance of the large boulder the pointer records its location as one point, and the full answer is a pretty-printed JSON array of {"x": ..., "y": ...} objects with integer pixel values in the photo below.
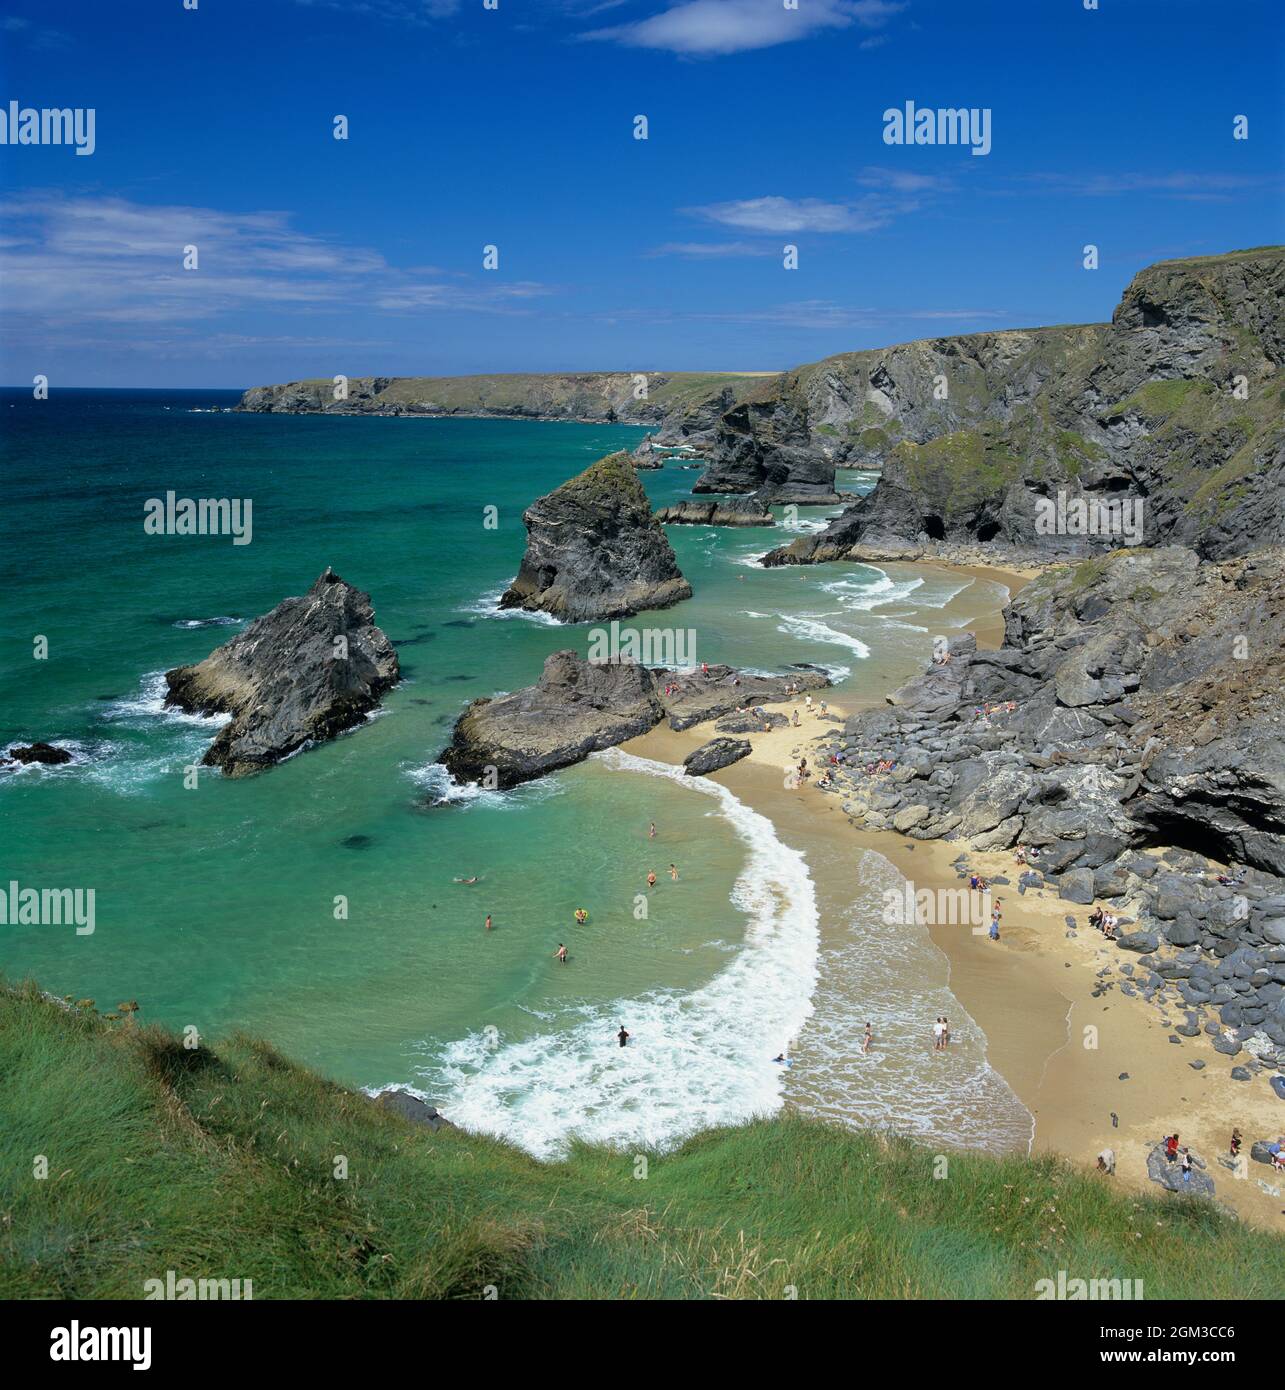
[
  {"x": 594, "y": 550},
  {"x": 311, "y": 668},
  {"x": 579, "y": 707},
  {"x": 43, "y": 753},
  {"x": 719, "y": 752},
  {"x": 732, "y": 511}
]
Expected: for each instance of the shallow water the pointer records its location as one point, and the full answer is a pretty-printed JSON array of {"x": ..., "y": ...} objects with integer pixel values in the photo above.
[{"x": 216, "y": 906}]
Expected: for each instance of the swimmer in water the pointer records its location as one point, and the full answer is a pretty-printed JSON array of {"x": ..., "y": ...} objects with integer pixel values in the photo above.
[
  {"x": 673, "y": 872},
  {"x": 488, "y": 921},
  {"x": 651, "y": 878},
  {"x": 623, "y": 1035},
  {"x": 561, "y": 953},
  {"x": 867, "y": 1039},
  {"x": 651, "y": 834},
  {"x": 474, "y": 879}
]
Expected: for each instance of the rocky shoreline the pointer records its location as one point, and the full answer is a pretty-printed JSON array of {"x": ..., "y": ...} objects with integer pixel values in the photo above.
[{"x": 580, "y": 707}]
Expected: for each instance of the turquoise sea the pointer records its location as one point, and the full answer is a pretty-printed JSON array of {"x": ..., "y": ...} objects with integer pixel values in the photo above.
[{"x": 215, "y": 905}]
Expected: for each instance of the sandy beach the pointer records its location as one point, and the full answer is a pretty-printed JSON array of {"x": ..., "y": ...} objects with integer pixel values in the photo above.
[{"x": 1094, "y": 1072}]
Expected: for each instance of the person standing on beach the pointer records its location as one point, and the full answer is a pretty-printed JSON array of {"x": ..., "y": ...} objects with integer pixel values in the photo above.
[
  {"x": 1171, "y": 1147},
  {"x": 561, "y": 953},
  {"x": 1235, "y": 1143},
  {"x": 1186, "y": 1166},
  {"x": 623, "y": 1035},
  {"x": 994, "y": 927}
]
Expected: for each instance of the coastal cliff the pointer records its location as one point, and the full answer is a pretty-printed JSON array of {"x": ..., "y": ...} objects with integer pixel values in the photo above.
[
  {"x": 1176, "y": 404},
  {"x": 303, "y": 673},
  {"x": 594, "y": 550},
  {"x": 685, "y": 406}
]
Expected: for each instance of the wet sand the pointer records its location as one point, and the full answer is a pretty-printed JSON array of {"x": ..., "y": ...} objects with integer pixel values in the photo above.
[{"x": 1060, "y": 1050}]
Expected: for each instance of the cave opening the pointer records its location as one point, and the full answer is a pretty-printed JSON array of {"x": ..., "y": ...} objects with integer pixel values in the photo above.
[
  {"x": 935, "y": 528},
  {"x": 988, "y": 530}
]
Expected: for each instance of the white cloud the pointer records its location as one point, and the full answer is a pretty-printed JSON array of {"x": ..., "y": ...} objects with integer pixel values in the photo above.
[
  {"x": 703, "y": 28},
  {"x": 779, "y": 215},
  {"x": 712, "y": 250}
]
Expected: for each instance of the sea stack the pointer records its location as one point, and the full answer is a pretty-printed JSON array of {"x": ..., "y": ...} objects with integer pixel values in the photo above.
[
  {"x": 594, "y": 550},
  {"x": 311, "y": 668}
]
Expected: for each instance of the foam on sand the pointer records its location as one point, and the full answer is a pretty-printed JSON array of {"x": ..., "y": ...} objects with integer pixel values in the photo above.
[{"x": 695, "y": 1059}]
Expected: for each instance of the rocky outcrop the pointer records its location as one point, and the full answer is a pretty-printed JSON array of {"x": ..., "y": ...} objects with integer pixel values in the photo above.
[
  {"x": 579, "y": 707},
  {"x": 1137, "y": 702},
  {"x": 43, "y": 753},
  {"x": 594, "y": 551},
  {"x": 687, "y": 406},
  {"x": 1002, "y": 438},
  {"x": 732, "y": 511},
  {"x": 719, "y": 752},
  {"x": 410, "y": 1107},
  {"x": 1169, "y": 1174},
  {"x": 303, "y": 673}
]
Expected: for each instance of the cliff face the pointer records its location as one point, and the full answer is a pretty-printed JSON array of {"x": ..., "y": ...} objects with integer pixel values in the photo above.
[
  {"x": 1176, "y": 403},
  {"x": 686, "y": 406},
  {"x": 306, "y": 671},
  {"x": 594, "y": 550}
]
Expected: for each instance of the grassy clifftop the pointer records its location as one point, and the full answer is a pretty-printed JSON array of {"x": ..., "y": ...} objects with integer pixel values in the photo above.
[{"x": 224, "y": 1163}]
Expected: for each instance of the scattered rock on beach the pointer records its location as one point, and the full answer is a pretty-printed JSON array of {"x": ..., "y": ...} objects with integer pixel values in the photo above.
[{"x": 719, "y": 752}]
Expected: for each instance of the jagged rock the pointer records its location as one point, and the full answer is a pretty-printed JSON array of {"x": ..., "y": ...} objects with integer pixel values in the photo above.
[
  {"x": 44, "y": 753},
  {"x": 734, "y": 511},
  {"x": 579, "y": 707},
  {"x": 411, "y": 1108},
  {"x": 303, "y": 673},
  {"x": 594, "y": 551},
  {"x": 1076, "y": 886},
  {"x": 719, "y": 752},
  {"x": 751, "y": 722}
]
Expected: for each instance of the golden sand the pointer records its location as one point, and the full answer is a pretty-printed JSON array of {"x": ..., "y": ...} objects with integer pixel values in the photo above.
[{"x": 1060, "y": 1050}]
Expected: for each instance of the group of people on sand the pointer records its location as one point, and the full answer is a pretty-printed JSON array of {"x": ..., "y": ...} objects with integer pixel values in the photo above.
[
  {"x": 1024, "y": 854},
  {"x": 1105, "y": 922}
]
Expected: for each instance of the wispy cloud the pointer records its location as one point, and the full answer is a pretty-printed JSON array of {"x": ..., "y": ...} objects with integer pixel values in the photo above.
[
  {"x": 823, "y": 314},
  {"x": 712, "y": 250},
  {"x": 707, "y": 28},
  {"x": 75, "y": 262},
  {"x": 1181, "y": 184},
  {"x": 777, "y": 215}
]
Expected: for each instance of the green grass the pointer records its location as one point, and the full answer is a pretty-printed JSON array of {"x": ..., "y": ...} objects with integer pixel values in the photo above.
[{"x": 222, "y": 1164}]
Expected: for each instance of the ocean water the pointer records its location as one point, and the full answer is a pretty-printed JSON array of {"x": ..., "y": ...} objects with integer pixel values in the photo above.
[{"x": 216, "y": 904}]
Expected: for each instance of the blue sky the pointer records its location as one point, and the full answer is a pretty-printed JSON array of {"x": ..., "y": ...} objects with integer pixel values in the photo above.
[{"x": 514, "y": 126}]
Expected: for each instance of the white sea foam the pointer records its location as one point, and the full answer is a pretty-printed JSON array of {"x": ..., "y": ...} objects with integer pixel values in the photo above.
[
  {"x": 487, "y": 606},
  {"x": 442, "y": 790},
  {"x": 810, "y": 627},
  {"x": 695, "y": 1059},
  {"x": 864, "y": 595},
  {"x": 149, "y": 705},
  {"x": 899, "y": 981},
  {"x": 190, "y": 623}
]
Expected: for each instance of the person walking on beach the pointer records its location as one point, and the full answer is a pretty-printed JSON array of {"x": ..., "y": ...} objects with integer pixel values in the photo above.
[
  {"x": 994, "y": 927},
  {"x": 1235, "y": 1143},
  {"x": 561, "y": 953},
  {"x": 795, "y": 721},
  {"x": 623, "y": 1035},
  {"x": 867, "y": 1039}
]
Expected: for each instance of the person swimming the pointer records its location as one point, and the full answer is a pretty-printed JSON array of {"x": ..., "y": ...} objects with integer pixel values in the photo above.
[
  {"x": 623, "y": 1035},
  {"x": 474, "y": 879}
]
